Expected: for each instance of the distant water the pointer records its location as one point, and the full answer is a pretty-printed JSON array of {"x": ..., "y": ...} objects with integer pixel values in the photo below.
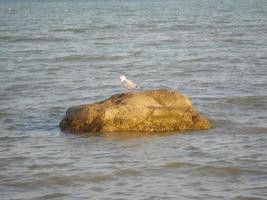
[{"x": 56, "y": 54}]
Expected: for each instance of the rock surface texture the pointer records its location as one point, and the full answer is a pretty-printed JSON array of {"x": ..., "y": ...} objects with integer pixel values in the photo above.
[{"x": 148, "y": 111}]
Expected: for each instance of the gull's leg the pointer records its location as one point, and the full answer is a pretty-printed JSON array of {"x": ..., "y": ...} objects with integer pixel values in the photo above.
[{"x": 126, "y": 90}]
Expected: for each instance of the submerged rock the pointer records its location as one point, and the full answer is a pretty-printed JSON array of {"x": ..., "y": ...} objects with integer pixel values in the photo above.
[{"x": 148, "y": 111}]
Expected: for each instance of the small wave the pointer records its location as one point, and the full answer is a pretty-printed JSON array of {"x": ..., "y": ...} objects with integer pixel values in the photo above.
[
  {"x": 127, "y": 172},
  {"x": 103, "y": 43},
  {"x": 174, "y": 165},
  {"x": 100, "y": 178},
  {"x": 108, "y": 26},
  {"x": 185, "y": 27},
  {"x": 4, "y": 114},
  {"x": 29, "y": 51},
  {"x": 241, "y": 197},
  {"x": 192, "y": 60},
  {"x": 219, "y": 170},
  {"x": 46, "y": 166},
  {"x": 105, "y": 38},
  {"x": 84, "y": 58},
  {"x": 222, "y": 123},
  {"x": 51, "y": 196},
  {"x": 201, "y": 59},
  {"x": 262, "y": 57},
  {"x": 95, "y": 57},
  {"x": 18, "y": 39},
  {"x": 247, "y": 130},
  {"x": 145, "y": 26},
  {"x": 74, "y": 30},
  {"x": 122, "y": 56},
  {"x": 252, "y": 101},
  {"x": 13, "y": 138},
  {"x": 54, "y": 180},
  {"x": 102, "y": 27},
  {"x": 60, "y": 180},
  {"x": 222, "y": 21},
  {"x": 15, "y": 158},
  {"x": 236, "y": 40},
  {"x": 55, "y": 109}
]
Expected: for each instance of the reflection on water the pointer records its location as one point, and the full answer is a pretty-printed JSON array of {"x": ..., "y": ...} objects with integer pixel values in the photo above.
[{"x": 117, "y": 136}]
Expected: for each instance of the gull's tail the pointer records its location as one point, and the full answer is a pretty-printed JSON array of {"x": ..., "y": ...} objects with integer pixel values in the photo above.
[{"x": 138, "y": 87}]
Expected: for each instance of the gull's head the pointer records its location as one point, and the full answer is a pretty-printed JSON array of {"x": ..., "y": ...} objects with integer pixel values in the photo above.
[{"x": 123, "y": 78}]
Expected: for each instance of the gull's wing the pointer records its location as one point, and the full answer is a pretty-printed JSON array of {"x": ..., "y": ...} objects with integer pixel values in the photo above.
[{"x": 129, "y": 84}]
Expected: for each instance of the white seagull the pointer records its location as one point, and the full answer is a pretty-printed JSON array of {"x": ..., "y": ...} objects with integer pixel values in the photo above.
[{"x": 128, "y": 84}]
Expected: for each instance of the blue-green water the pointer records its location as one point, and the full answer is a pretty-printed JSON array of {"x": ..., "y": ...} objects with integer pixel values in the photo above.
[{"x": 54, "y": 55}]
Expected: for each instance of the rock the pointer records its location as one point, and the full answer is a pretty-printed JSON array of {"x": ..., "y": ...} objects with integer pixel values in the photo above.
[{"x": 148, "y": 111}]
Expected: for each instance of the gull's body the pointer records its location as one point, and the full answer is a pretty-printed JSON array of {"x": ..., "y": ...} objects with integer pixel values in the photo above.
[{"x": 128, "y": 84}]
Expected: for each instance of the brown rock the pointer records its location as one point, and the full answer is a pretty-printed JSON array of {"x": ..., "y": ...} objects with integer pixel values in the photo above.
[{"x": 148, "y": 111}]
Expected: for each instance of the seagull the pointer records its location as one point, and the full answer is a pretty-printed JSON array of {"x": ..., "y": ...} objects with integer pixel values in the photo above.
[{"x": 128, "y": 84}]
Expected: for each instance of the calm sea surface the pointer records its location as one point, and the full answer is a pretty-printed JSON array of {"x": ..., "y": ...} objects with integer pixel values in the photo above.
[{"x": 54, "y": 55}]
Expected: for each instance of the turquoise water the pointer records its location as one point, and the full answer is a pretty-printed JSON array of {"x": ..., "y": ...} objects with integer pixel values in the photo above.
[{"x": 54, "y": 55}]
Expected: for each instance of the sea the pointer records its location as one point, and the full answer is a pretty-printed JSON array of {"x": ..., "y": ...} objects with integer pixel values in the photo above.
[{"x": 62, "y": 53}]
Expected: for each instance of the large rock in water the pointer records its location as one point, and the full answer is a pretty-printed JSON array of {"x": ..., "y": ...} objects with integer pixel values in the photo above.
[{"x": 148, "y": 111}]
